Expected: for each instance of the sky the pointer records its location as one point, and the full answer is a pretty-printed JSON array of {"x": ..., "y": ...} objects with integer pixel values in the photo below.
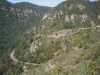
[{"x": 50, "y": 3}]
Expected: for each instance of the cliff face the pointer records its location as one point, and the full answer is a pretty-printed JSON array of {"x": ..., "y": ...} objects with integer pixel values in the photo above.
[
  {"x": 74, "y": 14},
  {"x": 15, "y": 20},
  {"x": 63, "y": 41}
]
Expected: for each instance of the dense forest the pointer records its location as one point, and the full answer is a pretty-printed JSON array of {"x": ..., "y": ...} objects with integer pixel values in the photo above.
[{"x": 61, "y": 40}]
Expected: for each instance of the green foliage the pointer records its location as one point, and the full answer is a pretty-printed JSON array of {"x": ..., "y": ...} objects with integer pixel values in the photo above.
[
  {"x": 46, "y": 51},
  {"x": 13, "y": 24},
  {"x": 55, "y": 72},
  {"x": 83, "y": 39},
  {"x": 13, "y": 27}
]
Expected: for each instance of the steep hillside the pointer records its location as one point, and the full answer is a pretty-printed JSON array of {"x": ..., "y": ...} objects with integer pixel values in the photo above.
[
  {"x": 66, "y": 42},
  {"x": 15, "y": 20},
  {"x": 70, "y": 14},
  {"x": 73, "y": 13}
]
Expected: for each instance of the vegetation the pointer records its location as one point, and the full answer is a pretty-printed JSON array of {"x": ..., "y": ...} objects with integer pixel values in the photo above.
[
  {"x": 15, "y": 20},
  {"x": 48, "y": 46}
]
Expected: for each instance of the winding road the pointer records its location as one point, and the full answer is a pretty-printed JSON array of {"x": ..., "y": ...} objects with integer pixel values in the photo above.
[
  {"x": 68, "y": 32},
  {"x": 15, "y": 60}
]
